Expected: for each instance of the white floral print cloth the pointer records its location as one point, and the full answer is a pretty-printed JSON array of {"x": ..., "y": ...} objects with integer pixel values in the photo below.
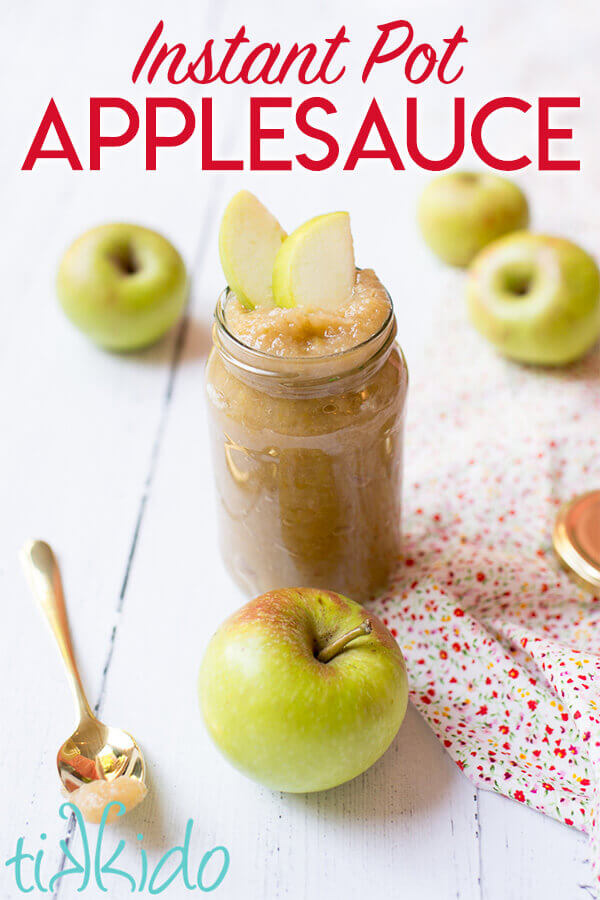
[{"x": 502, "y": 648}]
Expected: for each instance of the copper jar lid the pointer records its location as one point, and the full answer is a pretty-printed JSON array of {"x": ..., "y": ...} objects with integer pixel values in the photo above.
[{"x": 576, "y": 538}]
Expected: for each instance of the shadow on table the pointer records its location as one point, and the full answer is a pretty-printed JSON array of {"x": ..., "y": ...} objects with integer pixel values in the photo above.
[
  {"x": 197, "y": 340},
  {"x": 413, "y": 776},
  {"x": 191, "y": 340},
  {"x": 148, "y": 819}
]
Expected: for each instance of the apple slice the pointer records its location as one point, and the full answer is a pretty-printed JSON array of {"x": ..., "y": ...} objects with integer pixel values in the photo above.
[
  {"x": 249, "y": 239},
  {"x": 315, "y": 264}
]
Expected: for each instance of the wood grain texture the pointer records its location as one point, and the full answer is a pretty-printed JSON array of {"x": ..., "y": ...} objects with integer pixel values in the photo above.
[{"x": 107, "y": 456}]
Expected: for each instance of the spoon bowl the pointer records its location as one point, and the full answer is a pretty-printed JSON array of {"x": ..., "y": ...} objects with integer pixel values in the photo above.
[
  {"x": 97, "y": 751},
  {"x": 97, "y": 764}
]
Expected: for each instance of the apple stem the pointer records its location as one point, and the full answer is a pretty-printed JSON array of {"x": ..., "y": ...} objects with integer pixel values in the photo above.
[{"x": 336, "y": 646}]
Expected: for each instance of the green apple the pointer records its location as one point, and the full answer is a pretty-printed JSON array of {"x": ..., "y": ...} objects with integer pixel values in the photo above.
[
  {"x": 461, "y": 212},
  {"x": 123, "y": 285},
  {"x": 315, "y": 265},
  {"x": 249, "y": 239},
  {"x": 536, "y": 298},
  {"x": 303, "y": 689}
]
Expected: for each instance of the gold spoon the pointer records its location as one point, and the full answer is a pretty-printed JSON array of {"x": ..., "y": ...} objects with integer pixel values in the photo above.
[{"x": 97, "y": 764}]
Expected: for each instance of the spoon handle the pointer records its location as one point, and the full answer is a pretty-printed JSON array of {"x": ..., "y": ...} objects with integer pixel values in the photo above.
[{"x": 42, "y": 573}]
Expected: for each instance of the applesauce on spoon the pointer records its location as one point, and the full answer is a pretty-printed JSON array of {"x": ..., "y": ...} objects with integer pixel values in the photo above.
[{"x": 307, "y": 409}]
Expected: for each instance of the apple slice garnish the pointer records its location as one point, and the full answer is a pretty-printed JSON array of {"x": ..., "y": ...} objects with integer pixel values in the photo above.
[
  {"x": 249, "y": 240},
  {"x": 315, "y": 265}
]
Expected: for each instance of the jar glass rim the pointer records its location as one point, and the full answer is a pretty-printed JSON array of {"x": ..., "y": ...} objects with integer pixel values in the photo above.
[{"x": 303, "y": 361}]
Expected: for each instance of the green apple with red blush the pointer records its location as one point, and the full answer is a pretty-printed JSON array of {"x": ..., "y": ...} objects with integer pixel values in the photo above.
[{"x": 303, "y": 689}]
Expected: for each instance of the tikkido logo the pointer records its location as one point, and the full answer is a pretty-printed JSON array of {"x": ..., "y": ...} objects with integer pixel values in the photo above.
[{"x": 93, "y": 868}]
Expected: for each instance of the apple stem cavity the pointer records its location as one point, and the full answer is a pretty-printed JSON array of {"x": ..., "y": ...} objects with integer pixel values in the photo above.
[
  {"x": 125, "y": 260},
  {"x": 335, "y": 647}
]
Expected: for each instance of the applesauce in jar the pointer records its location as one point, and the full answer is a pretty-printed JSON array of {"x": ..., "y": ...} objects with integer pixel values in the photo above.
[{"x": 307, "y": 411}]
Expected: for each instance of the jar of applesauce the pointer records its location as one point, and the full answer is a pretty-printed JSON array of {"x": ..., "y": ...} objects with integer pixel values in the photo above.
[{"x": 306, "y": 420}]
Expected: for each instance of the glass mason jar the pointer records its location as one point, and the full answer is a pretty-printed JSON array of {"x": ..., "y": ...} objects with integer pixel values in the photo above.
[{"x": 307, "y": 456}]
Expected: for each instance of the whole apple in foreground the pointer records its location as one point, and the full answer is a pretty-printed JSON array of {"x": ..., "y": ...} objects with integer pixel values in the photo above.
[
  {"x": 123, "y": 285},
  {"x": 536, "y": 298},
  {"x": 303, "y": 689},
  {"x": 461, "y": 212}
]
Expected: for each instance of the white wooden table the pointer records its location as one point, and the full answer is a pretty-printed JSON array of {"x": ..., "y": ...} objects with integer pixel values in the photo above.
[{"x": 107, "y": 457}]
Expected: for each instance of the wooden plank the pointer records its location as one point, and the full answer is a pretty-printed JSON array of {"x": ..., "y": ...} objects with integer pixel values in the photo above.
[
  {"x": 80, "y": 428},
  {"x": 526, "y": 854}
]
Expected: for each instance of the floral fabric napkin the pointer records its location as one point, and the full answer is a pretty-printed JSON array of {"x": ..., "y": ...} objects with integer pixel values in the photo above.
[{"x": 502, "y": 648}]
